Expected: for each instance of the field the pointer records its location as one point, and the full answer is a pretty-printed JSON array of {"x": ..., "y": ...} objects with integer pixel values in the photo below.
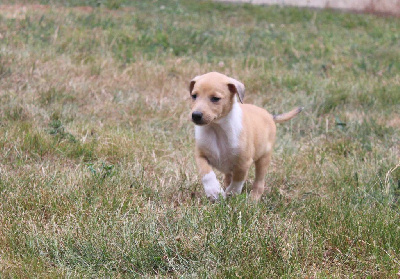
[{"x": 97, "y": 173}]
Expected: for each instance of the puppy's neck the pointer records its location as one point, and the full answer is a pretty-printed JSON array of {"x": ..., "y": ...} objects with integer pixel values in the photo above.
[
  {"x": 234, "y": 117},
  {"x": 227, "y": 128}
]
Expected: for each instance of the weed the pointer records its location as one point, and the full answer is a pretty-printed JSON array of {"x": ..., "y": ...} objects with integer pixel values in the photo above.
[{"x": 57, "y": 130}]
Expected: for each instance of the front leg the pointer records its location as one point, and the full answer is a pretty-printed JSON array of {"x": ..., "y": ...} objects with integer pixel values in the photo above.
[
  {"x": 238, "y": 178},
  {"x": 210, "y": 182},
  {"x": 227, "y": 180}
]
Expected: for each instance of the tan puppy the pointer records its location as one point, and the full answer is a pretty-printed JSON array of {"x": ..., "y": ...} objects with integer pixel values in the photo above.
[{"x": 231, "y": 136}]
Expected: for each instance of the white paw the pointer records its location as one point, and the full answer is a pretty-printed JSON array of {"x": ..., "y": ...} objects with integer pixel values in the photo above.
[
  {"x": 235, "y": 188},
  {"x": 212, "y": 187}
]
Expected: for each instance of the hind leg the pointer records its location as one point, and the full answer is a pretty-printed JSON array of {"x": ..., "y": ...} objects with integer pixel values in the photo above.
[{"x": 259, "y": 182}]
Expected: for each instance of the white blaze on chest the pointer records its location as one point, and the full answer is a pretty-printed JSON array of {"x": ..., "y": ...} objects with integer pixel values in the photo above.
[{"x": 220, "y": 141}]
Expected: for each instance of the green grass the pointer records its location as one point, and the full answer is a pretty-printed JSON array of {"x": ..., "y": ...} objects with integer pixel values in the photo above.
[{"x": 97, "y": 175}]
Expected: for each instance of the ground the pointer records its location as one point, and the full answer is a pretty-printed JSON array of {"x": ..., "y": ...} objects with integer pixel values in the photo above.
[
  {"x": 97, "y": 173},
  {"x": 382, "y": 7}
]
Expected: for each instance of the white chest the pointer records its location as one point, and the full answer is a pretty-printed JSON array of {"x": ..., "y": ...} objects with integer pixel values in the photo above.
[{"x": 220, "y": 141}]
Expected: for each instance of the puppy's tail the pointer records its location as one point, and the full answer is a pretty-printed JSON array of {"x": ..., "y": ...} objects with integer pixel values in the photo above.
[{"x": 279, "y": 118}]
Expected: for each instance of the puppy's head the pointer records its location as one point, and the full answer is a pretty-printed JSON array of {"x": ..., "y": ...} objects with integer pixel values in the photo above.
[{"x": 213, "y": 95}]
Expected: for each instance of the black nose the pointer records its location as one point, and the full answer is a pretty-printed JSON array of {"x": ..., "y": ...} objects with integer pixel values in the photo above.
[{"x": 197, "y": 116}]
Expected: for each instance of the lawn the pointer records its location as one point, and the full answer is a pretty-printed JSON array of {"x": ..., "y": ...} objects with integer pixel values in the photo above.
[{"x": 97, "y": 171}]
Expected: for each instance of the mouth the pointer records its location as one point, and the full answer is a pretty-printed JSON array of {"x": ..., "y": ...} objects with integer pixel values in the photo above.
[
  {"x": 199, "y": 122},
  {"x": 202, "y": 122}
]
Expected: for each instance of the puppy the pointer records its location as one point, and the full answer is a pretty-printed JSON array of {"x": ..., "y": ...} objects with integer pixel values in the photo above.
[{"x": 230, "y": 136}]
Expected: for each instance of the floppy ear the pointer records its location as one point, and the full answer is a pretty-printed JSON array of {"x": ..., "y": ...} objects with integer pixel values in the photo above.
[
  {"x": 192, "y": 82},
  {"x": 236, "y": 87}
]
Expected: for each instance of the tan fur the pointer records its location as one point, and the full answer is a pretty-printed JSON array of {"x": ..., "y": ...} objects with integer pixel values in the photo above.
[
  {"x": 257, "y": 134},
  {"x": 280, "y": 118}
]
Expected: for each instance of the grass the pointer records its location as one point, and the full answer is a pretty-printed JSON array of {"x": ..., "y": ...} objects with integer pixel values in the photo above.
[{"x": 97, "y": 176}]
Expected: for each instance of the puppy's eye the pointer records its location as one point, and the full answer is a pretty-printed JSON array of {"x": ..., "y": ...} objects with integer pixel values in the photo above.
[
  {"x": 215, "y": 99},
  {"x": 194, "y": 96}
]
